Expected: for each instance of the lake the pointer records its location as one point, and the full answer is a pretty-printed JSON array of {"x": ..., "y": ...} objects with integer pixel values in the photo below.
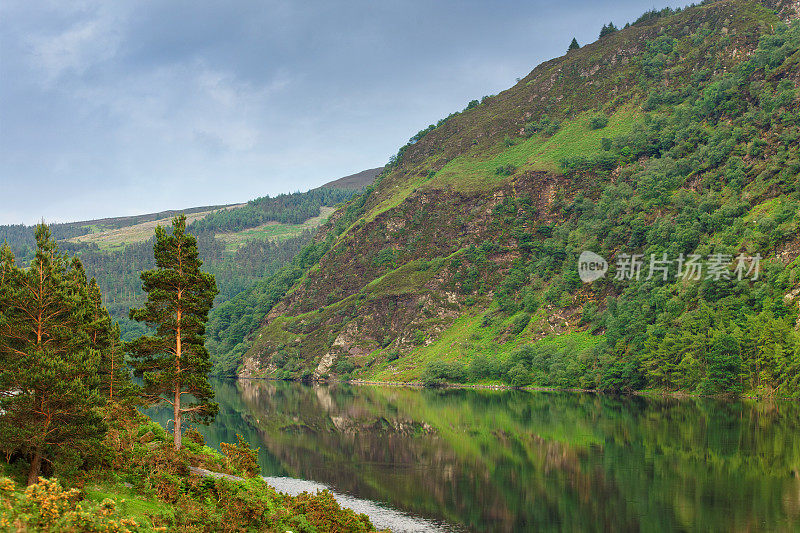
[{"x": 514, "y": 460}]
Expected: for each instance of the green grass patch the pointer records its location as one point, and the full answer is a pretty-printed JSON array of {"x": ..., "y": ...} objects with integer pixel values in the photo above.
[
  {"x": 272, "y": 231},
  {"x": 478, "y": 172},
  {"x": 128, "y": 502}
]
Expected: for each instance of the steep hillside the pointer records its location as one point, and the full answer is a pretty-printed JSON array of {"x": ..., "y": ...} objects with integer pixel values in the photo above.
[{"x": 676, "y": 135}]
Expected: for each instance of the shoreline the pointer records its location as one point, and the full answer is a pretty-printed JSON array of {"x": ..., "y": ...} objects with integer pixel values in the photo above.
[{"x": 648, "y": 393}]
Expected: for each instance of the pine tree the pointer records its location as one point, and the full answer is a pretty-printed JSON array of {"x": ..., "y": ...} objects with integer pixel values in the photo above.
[
  {"x": 608, "y": 29},
  {"x": 48, "y": 372},
  {"x": 573, "y": 45},
  {"x": 174, "y": 361},
  {"x": 104, "y": 338}
]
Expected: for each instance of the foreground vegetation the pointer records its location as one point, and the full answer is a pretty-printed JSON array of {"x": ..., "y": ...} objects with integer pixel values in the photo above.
[
  {"x": 68, "y": 408},
  {"x": 135, "y": 481}
]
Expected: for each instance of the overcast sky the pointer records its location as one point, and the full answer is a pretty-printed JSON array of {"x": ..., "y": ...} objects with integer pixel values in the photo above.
[{"x": 111, "y": 108}]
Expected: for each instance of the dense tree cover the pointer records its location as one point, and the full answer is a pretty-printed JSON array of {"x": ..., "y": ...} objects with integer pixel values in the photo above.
[
  {"x": 173, "y": 360},
  {"x": 233, "y": 322},
  {"x": 292, "y": 208},
  {"x": 59, "y": 357},
  {"x": 685, "y": 181},
  {"x": 21, "y": 239},
  {"x": 117, "y": 271}
]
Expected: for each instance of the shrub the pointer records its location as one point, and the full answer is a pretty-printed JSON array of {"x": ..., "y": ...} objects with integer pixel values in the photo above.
[
  {"x": 519, "y": 322},
  {"x": 479, "y": 367},
  {"x": 324, "y": 513},
  {"x": 438, "y": 373},
  {"x": 241, "y": 457},
  {"x": 384, "y": 257},
  {"x": 46, "y": 506},
  {"x": 345, "y": 366},
  {"x": 505, "y": 170},
  {"x": 519, "y": 376},
  {"x": 192, "y": 435},
  {"x": 598, "y": 122},
  {"x": 544, "y": 125}
]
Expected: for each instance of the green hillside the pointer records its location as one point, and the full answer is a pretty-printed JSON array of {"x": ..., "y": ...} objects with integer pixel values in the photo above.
[
  {"x": 675, "y": 135},
  {"x": 240, "y": 243}
]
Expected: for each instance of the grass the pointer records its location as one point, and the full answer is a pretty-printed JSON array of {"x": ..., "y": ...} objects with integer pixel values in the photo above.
[
  {"x": 408, "y": 278},
  {"x": 399, "y": 193},
  {"x": 466, "y": 338},
  {"x": 272, "y": 231},
  {"x": 130, "y": 503},
  {"x": 117, "y": 238},
  {"x": 477, "y": 172}
]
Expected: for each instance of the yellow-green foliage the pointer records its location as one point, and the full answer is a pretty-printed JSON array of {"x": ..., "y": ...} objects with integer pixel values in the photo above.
[
  {"x": 241, "y": 457},
  {"x": 47, "y": 506},
  {"x": 141, "y": 455},
  {"x": 477, "y": 170}
]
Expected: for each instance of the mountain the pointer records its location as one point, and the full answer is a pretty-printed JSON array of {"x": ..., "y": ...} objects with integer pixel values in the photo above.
[
  {"x": 359, "y": 180},
  {"x": 674, "y": 138}
]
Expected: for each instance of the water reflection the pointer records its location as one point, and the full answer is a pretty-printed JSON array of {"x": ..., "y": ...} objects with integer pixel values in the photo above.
[{"x": 518, "y": 460}]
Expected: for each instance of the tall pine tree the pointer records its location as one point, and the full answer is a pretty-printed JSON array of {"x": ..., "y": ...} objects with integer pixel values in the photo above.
[
  {"x": 174, "y": 361},
  {"x": 48, "y": 371}
]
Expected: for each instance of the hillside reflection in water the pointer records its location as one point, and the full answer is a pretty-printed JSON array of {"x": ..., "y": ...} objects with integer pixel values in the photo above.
[{"x": 518, "y": 460}]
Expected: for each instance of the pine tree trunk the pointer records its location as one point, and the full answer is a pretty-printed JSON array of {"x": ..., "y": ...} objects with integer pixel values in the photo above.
[
  {"x": 177, "y": 405},
  {"x": 177, "y": 418},
  {"x": 36, "y": 467}
]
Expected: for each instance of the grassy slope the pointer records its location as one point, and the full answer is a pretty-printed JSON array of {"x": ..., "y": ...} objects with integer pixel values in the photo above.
[
  {"x": 150, "y": 483},
  {"x": 461, "y": 157},
  {"x": 273, "y": 231},
  {"x": 110, "y": 239},
  {"x": 115, "y": 239}
]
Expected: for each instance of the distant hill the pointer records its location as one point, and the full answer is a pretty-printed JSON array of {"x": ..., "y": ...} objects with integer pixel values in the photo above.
[
  {"x": 355, "y": 181},
  {"x": 108, "y": 229},
  {"x": 239, "y": 243},
  {"x": 101, "y": 224}
]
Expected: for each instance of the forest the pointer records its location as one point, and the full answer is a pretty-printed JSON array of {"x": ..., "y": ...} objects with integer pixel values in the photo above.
[
  {"x": 70, "y": 425},
  {"x": 117, "y": 270},
  {"x": 735, "y": 138}
]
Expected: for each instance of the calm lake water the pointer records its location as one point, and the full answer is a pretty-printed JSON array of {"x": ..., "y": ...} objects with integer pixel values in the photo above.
[{"x": 475, "y": 460}]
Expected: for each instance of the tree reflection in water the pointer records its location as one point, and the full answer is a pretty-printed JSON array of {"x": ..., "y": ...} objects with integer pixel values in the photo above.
[{"x": 520, "y": 460}]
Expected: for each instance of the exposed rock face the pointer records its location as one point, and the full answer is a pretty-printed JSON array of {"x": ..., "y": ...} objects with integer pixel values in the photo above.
[
  {"x": 407, "y": 269},
  {"x": 393, "y": 282}
]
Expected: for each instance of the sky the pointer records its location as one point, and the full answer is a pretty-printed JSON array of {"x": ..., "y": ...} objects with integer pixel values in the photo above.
[{"x": 128, "y": 107}]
